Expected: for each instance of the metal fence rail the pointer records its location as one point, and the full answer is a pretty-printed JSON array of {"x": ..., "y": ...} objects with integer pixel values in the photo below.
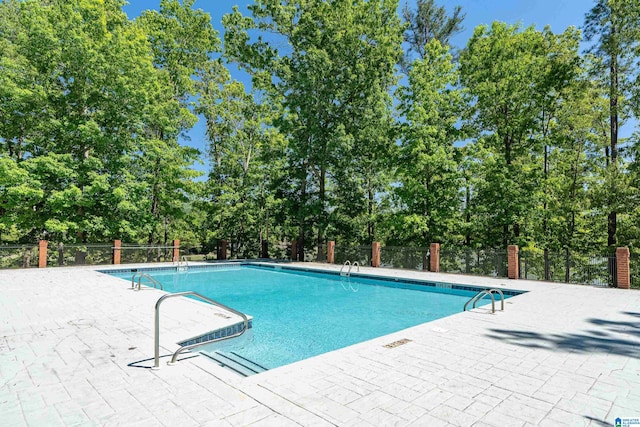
[
  {"x": 634, "y": 267},
  {"x": 59, "y": 254},
  {"x": 131, "y": 254},
  {"x": 18, "y": 256},
  {"x": 360, "y": 254},
  {"x": 567, "y": 267},
  {"x": 413, "y": 258},
  {"x": 281, "y": 251},
  {"x": 597, "y": 270},
  {"x": 483, "y": 262}
]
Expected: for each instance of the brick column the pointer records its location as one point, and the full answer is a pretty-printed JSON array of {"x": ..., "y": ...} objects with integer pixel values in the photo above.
[
  {"x": 622, "y": 265},
  {"x": 176, "y": 250},
  {"x": 294, "y": 250},
  {"x": 434, "y": 262},
  {"x": 117, "y": 244},
  {"x": 331, "y": 252},
  {"x": 375, "y": 254},
  {"x": 512, "y": 262},
  {"x": 222, "y": 255},
  {"x": 42, "y": 254}
]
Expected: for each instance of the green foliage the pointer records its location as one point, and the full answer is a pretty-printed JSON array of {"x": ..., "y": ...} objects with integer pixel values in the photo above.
[
  {"x": 517, "y": 81},
  {"x": 427, "y": 23},
  {"x": 430, "y": 182},
  {"x": 79, "y": 93},
  {"x": 514, "y": 143},
  {"x": 247, "y": 158},
  {"x": 614, "y": 26},
  {"x": 334, "y": 79}
]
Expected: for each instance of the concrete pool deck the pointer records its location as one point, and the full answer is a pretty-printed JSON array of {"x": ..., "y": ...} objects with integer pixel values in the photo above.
[{"x": 76, "y": 347}]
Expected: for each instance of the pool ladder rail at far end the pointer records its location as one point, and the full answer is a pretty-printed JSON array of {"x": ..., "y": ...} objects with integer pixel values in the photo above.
[
  {"x": 483, "y": 293},
  {"x": 182, "y": 263},
  {"x": 348, "y": 272}
]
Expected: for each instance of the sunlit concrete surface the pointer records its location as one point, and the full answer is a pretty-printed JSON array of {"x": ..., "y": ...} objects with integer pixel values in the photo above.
[{"x": 76, "y": 347}]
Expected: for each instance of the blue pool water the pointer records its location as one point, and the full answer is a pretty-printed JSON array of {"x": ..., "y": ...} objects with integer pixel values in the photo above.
[{"x": 299, "y": 314}]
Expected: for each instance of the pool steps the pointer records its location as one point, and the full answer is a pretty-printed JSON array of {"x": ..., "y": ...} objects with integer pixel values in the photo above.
[
  {"x": 174, "y": 358},
  {"x": 235, "y": 362},
  {"x": 217, "y": 333}
]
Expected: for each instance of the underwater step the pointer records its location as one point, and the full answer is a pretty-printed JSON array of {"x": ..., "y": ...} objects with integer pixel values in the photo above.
[{"x": 236, "y": 363}]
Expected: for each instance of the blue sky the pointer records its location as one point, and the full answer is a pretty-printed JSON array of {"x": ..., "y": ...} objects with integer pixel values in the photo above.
[{"x": 559, "y": 14}]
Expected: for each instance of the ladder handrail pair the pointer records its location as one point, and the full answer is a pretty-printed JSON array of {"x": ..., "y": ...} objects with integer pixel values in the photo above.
[
  {"x": 481, "y": 294},
  {"x": 182, "y": 262},
  {"x": 348, "y": 273},
  {"x": 149, "y": 280}
]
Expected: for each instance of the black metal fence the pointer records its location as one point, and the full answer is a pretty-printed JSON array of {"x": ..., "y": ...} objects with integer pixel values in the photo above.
[
  {"x": 634, "y": 267},
  {"x": 598, "y": 270},
  {"x": 482, "y": 262},
  {"x": 361, "y": 254},
  {"x": 567, "y": 267},
  {"x": 131, "y": 254},
  {"x": 412, "y": 258},
  {"x": 280, "y": 251},
  {"x": 18, "y": 256},
  {"x": 59, "y": 254}
]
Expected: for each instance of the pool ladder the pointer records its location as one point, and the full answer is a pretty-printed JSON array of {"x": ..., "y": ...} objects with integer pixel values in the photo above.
[
  {"x": 483, "y": 293},
  {"x": 348, "y": 263},
  {"x": 183, "y": 264},
  {"x": 156, "y": 363},
  {"x": 144, "y": 279}
]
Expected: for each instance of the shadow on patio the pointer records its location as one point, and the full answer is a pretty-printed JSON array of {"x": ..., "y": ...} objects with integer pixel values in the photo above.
[{"x": 610, "y": 336}]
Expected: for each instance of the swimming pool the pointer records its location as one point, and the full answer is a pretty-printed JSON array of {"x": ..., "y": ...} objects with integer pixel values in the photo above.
[{"x": 298, "y": 314}]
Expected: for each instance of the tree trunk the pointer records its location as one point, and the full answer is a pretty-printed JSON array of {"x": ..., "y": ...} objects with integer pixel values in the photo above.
[
  {"x": 546, "y": 174},
  {"x": 507, "y": 159},
  {"x": 81, "y": 255},
  {"x": 370, "y": 224},
  {"x": 301, "y": 217},
  {"x": 321, "y": 219},
  {"x": 612, "y": 223}
]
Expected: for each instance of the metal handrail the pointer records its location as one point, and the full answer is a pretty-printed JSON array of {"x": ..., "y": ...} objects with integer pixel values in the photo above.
[
  {"x": 182, "y": 262},
  {"x": 501, "y": 297},
  {"x": 156, "y": 364},
  {"x": 347, "y": 262},
  {"x": 355, "y": 264},
  {"x": 481, "y": 294},
  {"x": 348, "y": 273},
  {"x": 150, "y": 280}
]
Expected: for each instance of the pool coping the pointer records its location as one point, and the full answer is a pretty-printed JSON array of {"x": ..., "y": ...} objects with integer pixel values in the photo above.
[{"x": 440, "y": 285}]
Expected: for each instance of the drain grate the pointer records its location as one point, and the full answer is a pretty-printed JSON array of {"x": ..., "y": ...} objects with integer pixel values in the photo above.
[{"x": 397, "y": 343}]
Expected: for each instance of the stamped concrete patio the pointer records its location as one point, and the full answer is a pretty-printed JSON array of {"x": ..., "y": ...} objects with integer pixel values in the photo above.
[{"x": 76, "y": 347}]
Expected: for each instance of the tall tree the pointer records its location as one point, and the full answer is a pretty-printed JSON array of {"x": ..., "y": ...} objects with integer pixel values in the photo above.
[
  {"x": 426, "y": 23},
  {"x": 183, "y": 42},
  {"x": 338, "y": 65},
  {"x": 73, "y": 101},
  {"x": 246, "y": 158},
  {"x": 614, "y": 27},
  {"x": 513, "y": 78},
  {"x": 428, "y": 164}
]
